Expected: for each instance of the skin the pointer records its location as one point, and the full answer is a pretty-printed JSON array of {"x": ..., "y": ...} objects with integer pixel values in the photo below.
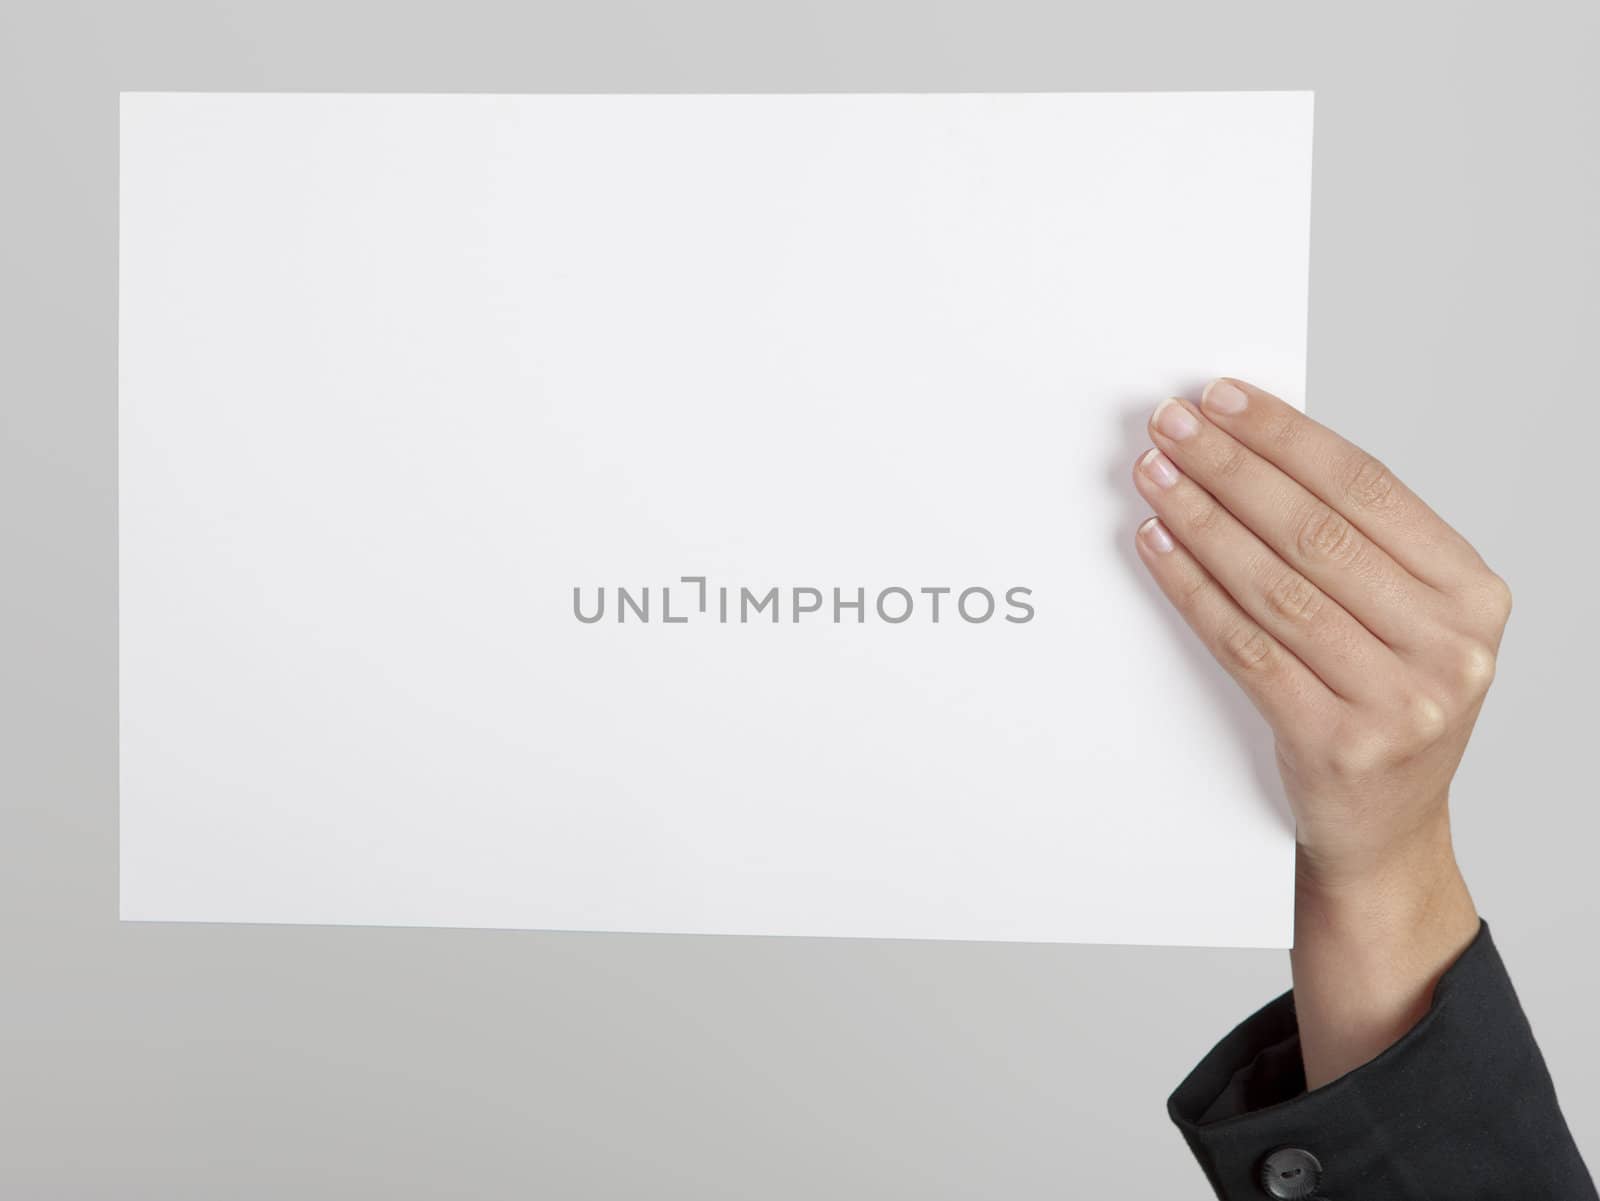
[{"x": 1365, "y": 631}]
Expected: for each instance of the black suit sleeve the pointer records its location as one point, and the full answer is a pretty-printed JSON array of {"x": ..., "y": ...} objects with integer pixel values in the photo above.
[{"x": 1462, "y": 1107}]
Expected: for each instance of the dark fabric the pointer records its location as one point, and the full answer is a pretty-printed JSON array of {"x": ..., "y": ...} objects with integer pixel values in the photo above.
[{"x": 1461, "y": 1108}]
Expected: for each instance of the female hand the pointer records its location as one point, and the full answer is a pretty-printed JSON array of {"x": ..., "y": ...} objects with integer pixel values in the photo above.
[{"x": 1365, "y": 631}]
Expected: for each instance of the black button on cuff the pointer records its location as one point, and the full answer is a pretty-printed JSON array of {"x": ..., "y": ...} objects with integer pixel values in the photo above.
[{"x": 1290, "y": 1174}]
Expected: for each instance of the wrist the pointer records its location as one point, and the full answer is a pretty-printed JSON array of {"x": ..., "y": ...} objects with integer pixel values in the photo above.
[
  {"x": 1396, "y": 878},
  {"x": 1373, "y": 934}
]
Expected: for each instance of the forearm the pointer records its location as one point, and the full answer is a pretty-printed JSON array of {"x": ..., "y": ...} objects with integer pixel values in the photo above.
[{"x": 1371, "y": 942}]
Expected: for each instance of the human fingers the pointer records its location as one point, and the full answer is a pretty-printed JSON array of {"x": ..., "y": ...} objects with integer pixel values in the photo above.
[
  {"x": 1306, "y": 533},
  {"x": 1356, "y": 486},
  {"x": 1337, "y": 648},
  {"x": 1283, "y": 689}
]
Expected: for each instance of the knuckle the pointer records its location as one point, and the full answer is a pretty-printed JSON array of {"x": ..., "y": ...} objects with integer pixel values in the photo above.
[
  {"x": 1369, "y": 485},
  {"x": 1230, "y": 460},
  {"x": 1323, "y": 536},
  {"x": 1358, "y": 753},
  {"x": 1294, "y": 598},
  {"x": 1286, "y": 429},
  {"x": 1498, "y": 598},
  {"x": 1202, "y": 515},
  {"x": 1248, "y": 648},
  {"x": 1484, "y": 604},
  {"x": 1189, "y": 591},
  {"x": 1423, "y": 720},
  {"x": 1475, "y": 668}
]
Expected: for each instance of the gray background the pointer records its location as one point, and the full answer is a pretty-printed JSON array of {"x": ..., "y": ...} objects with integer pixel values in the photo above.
[{"x": 1453, "y": 311}]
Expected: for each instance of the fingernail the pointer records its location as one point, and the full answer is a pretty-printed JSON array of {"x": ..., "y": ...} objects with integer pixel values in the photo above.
[
  {"x": 1175, "y": 421},
  {"x": 1222, "y": 397},
  {"x": 1155, "y": 536},
  {"x": 1159, "y": 468}
]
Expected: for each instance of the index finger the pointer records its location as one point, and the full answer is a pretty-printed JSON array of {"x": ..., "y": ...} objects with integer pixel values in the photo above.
[{"x": 1345, "y": 477}]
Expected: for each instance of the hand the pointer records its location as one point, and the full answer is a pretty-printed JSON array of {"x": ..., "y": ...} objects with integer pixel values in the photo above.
[{"x": 1365, "y": 631}]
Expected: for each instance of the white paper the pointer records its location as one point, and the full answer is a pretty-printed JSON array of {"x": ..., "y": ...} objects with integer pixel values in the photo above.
[{"x": 398, "y": 373}]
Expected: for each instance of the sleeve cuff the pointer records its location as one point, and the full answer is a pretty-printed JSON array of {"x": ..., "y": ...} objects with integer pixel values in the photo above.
[{"x": 1439, "y": 1113}]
